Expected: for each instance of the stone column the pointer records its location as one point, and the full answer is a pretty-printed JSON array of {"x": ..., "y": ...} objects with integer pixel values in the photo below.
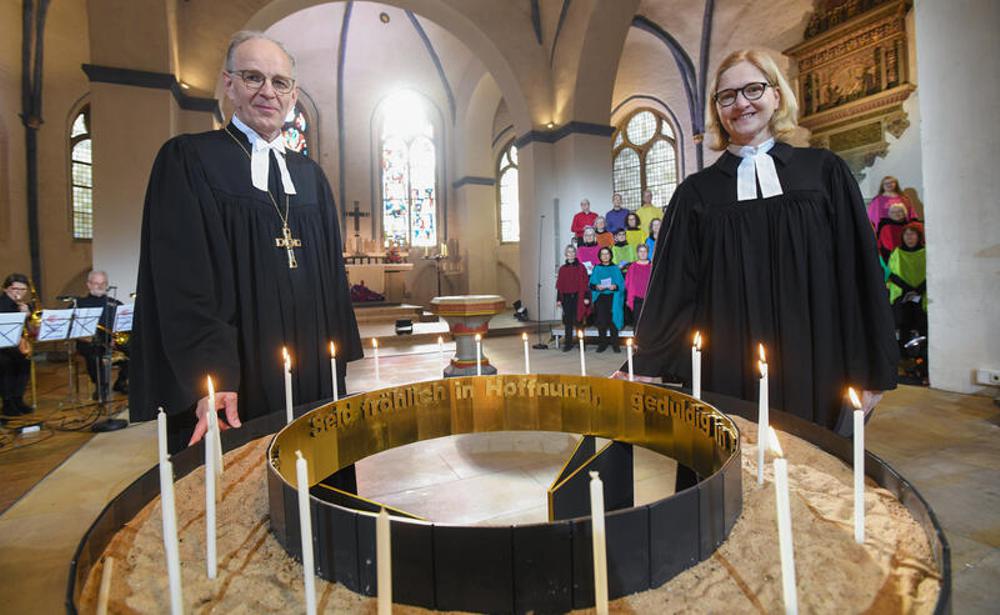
[{"x": 958, "y": 57}]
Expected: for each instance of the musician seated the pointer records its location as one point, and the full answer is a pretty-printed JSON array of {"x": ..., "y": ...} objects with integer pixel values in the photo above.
[
  {"x": 101, "y": 344},
  {"x": 15, "y": 368}
]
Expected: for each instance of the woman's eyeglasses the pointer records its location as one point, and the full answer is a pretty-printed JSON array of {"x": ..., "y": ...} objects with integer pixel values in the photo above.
[{"x": 751, "y": 91}]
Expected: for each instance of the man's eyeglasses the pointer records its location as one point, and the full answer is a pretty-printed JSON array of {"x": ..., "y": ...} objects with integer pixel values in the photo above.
[
  {"x": 751, "y": 91},
  {"x": 255, "y": 80}
]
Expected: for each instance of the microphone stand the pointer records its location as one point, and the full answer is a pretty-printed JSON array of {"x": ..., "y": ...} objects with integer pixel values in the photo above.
[{"x": 540, "y": 345}]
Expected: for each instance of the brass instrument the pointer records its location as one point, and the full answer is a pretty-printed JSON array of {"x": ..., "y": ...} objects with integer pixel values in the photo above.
[{"x": 34, "y": 322}]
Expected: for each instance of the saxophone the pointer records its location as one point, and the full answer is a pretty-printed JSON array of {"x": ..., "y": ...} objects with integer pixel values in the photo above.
[{"x": 30, "y": 332}]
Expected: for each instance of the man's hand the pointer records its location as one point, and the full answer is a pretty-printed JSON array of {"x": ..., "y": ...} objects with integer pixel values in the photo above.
[
  {"x": 620, "y": 375},
  {"x": 870, "y": 399},
  {"x": 224, "y": 400}
]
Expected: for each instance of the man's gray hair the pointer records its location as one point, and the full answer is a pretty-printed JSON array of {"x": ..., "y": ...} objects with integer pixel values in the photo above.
[
  {"x": 248, "y": 35},
  {"x": 96, "y": 272}
]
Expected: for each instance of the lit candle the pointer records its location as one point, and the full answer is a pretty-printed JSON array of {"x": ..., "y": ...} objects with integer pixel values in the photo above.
[
  {"x": 696, "y": 366},
  {"x": 305, "y": 531},
  {"x": 583, "y": 357},
  {"x": 527, "y": 357},
  {"x": 762, "y": 417},
  {"x": 441, "y": 348},
  {"x": 170, "y": 545},
  {"x": 859, "y": 467},
  {"x": 161, "y": 433},
  {"x": 600, "y": 544},
  {"x": 288, "y": 385},
  {"x": 378, "y": 374},
  {"x": 210, "y": 479},
  {"x": 213, "y": 428},
  {"x": 104, "y": 593},
  {"x": 383, "y": 559},
  {"x": 479, "y": 355},
  {"x": 333, "y": 371},
  {"x": 444, "y": 250},
  {"x": 628, "y": 351},
  {"x": 785, "y": 544}
]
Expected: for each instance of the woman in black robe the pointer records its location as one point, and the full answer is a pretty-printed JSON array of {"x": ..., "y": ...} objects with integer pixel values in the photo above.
[{"x": 770, "y": 244}]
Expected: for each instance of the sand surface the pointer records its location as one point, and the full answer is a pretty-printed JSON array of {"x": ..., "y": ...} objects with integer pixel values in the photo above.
[{"x": 893, "y": 572}]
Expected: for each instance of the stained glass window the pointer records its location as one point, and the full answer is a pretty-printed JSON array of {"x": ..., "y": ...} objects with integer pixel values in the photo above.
[
  {"x": 644, "y": 157},
  {"x": 409, "y": 173},
  {"x": 510, "y": 224},
  {"x": 295, "y": 129},
  {"x": 82, "y": 176}
]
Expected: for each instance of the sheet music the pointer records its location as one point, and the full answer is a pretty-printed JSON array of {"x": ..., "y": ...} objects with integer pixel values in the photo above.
[
  {"x": 123, "y": 318},
  {"x": 85, "y": 322},
  {"x": 55, "y": 325},
  {"x": 11, "y": 327}
]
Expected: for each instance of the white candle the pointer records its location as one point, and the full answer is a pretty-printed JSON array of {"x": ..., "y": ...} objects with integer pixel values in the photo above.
[
  {"x": 104, "y": 593},
  {"x": 288, "y": 385},
  {"x": 213, "y": 428},
  {"x": 859, "y": 468},
  {"x": 583, "y": 358},
  {"x": 383, "y": 558},
  {"x": 210, "y": 562},
  {"x": 527, "y": 357},
  {"x": 305, "y": 531},
  {"x": 161, "y": 433},
  {"x": 600, "y": 544},
  {"x": 441, "y": 348},
  {"x": 479, "y": 355},
  {"x": 785, "y": 544},
  {"x": 170, "y": 545},
  {"x": 333, "y": 371},
  {"x": 628, "y": 351},
  {"x": 378, "y": 374},
  {"x": 762, "y": 416},
  {"x": 696, "y": 366}
]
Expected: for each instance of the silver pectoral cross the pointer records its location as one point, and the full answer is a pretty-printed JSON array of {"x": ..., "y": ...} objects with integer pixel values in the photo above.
[{"x": 288, "y": 243}]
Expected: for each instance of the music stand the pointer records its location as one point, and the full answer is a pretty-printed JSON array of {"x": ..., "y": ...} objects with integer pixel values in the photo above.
[{"x": 11, "y": 328}]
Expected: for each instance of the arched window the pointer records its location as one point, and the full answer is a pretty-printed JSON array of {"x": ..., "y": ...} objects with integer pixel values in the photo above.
[
  {"x": 645, "y": 158},
  {"x": 507, "y": 187},
  {"x": 295, "y": 130},
  {"x": 409, "y": 172},
  {"x": 82, "y": 174}
]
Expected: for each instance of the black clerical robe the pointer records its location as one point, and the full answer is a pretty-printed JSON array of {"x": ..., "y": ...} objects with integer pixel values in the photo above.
[
  {"x": 216, "y": 295},
  {"x": 798, "y": 272}
]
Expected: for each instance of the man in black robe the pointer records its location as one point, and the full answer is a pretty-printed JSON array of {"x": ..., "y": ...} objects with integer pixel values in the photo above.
[
  {"x": 241, "y": 255},
  {"x": 97, "y": 350}
]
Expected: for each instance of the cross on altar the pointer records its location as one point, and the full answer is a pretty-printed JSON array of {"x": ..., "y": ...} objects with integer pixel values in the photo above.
[
  {"x": 357, "y": 214},
  {"x": 288, "y": 242}
]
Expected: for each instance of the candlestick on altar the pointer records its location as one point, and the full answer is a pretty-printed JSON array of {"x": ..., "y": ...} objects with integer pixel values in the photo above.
[
  {"x": 600, "y": 544},
  {"x": 583, "y": 357},
  {"x": 305, "y": 531},
  {"x": 527, "y": 357},
  {"x": 288, "y": 385},
  {"x": 696, "y": 366},
  {"x": 171, "y": 548},
  {"x": 378, "y": 373},
  {"x": 161, "y": 433},
  {"x": 762, "y": 415},
  {"x": 441, "y": 348},
  {"x": 479, "y": 355},
  {"x": 628, "y": 352},
  {"x": 383, "y": 559},
  {"x": 785, "y": 543},
  {"x": 859, "y": 467},
  {"x": 210, "y": 479},
  {"x": 333, "y": 371}
]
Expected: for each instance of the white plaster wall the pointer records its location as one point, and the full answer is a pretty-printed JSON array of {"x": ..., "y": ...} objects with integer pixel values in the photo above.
[{"x": 959, "y": 53}]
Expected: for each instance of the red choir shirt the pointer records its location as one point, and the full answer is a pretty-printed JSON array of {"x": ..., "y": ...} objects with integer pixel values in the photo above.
[
  {"x": 573, "y": 278},
  {"x": 637, "y": 282},
  {"x": 582, "y": 220}
]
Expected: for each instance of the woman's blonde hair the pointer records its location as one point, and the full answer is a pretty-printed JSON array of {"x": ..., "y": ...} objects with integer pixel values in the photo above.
[{"x": 784, "y": 122}]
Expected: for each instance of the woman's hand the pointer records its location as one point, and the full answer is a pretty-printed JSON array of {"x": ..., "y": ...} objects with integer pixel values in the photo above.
[
  {"x": 620, "y": 375},
  {"x": 226, "y": 400},
  {"x": 870, "y": 399}
]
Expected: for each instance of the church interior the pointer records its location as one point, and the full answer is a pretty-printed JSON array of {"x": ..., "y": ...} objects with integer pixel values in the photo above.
[{"x": 459, "y": 139}]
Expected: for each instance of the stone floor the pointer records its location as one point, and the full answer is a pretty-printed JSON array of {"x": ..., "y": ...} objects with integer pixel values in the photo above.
[{"x": 946, "y": 444}]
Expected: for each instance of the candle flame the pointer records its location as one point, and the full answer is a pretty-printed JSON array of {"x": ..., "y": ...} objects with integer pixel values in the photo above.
[
  {"x": 773, "y": 443},
  {"x": 697, "y": 340},
  {"x": 524, "y": 336},
  {"x": 628, "y": 341},
  {"x": 479, "y": 338},
  {"x": 211, "y": 389},
  {"x": 855, "y": 401},
  {"x": 374, "y": 342},
  {"x": 760, "y": 351},
  {"x": 287, "y": 358},
  {"x": 761, "y": 366},
  {"x": 440, "y": 340},
  {"x": 333, "y": 349},
  {"x": 298, "y": 454}
]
